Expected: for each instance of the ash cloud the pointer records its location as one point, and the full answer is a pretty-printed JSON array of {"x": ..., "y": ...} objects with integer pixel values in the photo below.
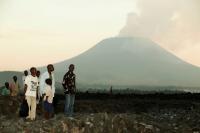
[{"x": 174, "y": 24}]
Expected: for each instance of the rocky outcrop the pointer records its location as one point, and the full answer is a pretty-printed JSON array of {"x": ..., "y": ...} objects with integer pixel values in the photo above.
[{"x": 153, "y": 119}]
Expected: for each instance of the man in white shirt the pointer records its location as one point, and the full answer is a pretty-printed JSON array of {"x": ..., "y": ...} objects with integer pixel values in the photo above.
[
  {"x": 31, "y": 89},
  {"x": 46, "y": 75}
]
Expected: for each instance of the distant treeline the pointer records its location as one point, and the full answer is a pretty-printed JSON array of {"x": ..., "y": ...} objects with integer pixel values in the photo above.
[{"x": 135, "y": 89}]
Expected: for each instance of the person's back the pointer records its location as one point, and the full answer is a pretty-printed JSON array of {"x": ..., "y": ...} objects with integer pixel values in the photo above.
[
  {"x": 5, "y": 90},
  {"x": 14, "y": 86}
]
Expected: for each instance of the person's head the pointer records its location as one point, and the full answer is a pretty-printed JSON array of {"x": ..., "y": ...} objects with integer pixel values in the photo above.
[
  {"x": 33, "y": 71},
  {"x": 26, "y": 73},
  {"x": 50, "y": 68},
  {"x": 7, "y": 85},
  {"x": 38, "y": 74},
  {"x": 48, "y": 81},
  {"x": 71, "y": 67},
  {"x": 15, "y": 78}
]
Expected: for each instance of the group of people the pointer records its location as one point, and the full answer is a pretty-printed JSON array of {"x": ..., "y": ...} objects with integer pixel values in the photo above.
[
  {"x": 11, "y": 89},
  {"x": 40, "y": 89}
]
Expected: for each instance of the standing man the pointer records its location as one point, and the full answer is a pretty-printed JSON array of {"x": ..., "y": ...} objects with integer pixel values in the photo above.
[
  {"x": 46, "y": 75},
  {"x": 14, "y": 87},
  {"x": 31, "y": 91},
  {"x": 69, "y": 84}
]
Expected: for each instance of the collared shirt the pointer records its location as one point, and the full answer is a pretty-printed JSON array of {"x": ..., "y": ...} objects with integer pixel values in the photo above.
[{"x": 69, "y": 82}]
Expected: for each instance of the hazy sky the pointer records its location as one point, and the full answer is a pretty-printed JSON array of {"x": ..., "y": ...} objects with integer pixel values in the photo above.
[{"x": 38, "y": 32}]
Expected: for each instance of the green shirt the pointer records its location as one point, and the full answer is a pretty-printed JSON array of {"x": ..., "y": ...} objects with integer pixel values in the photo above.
[{"x": 5, "y": 92}]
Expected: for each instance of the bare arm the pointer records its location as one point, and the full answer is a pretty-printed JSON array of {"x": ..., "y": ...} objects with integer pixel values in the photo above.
[
  {"x": 47, "y": 98},
  {"x": 25, "y": 88},
  {"x": 75, "y": 84},
  {"x": 37, "y": 96}
]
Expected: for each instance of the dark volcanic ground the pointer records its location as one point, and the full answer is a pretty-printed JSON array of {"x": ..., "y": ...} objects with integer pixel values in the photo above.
[{"x": 104, "y": 113}]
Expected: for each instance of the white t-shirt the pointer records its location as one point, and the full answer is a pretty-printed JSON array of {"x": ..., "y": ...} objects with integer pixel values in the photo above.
[
  {"x": 49, "y": 93},
  {"x": 32, "y": 85}
]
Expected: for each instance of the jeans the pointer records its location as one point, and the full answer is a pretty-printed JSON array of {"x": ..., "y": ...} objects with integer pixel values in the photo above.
[{"x": 69, "y": 104}]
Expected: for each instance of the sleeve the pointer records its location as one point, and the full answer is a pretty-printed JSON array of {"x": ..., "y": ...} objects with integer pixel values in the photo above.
[
  {"x": 75, "y": 80},
  {"x": 63, "y": 82}
]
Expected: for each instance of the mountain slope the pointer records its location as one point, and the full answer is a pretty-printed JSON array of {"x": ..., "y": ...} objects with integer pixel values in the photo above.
[{"x": 130, "y": 61}]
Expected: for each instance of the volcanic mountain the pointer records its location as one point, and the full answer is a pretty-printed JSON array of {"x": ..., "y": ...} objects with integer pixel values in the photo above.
[{"x": 130, "y": 61}]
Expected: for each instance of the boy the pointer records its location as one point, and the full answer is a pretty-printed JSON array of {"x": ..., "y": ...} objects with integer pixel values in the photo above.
[
  {"x": 48, "y": 99},
  {"x": 6, "y": 90},
  {"x": 31, "y": 88}
]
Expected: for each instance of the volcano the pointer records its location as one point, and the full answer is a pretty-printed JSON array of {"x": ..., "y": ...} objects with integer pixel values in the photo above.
[{"x": 130, "y": 61}]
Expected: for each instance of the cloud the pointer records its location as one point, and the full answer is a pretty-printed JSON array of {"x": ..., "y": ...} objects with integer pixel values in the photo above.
[{"x": 174, "y": 24}]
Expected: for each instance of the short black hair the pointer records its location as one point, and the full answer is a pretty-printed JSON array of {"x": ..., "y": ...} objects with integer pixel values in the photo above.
[
  {"x": 50, "y": 65},
  {"x": 6, "y": 84},
  {"x": 25, "y": 72},
  {"x": 71, "y": 65},
  {"x": 48, "y": 81},
  {"x": 32, "y": 68},
  {"x": 15, "y": 77},
  {"x": 38, "y": 71}
]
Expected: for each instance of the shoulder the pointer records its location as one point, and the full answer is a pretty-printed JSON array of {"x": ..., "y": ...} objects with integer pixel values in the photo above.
[
  {"x": 66, "y": 74},
  {"x": 44, "y": 74},
  {"x": 28, "y": 77}
]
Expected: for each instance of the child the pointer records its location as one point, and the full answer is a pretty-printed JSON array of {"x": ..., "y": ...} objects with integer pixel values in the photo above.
[
  {"x": 48, "y": 99},
  {"x": 6, "y": 90}
]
